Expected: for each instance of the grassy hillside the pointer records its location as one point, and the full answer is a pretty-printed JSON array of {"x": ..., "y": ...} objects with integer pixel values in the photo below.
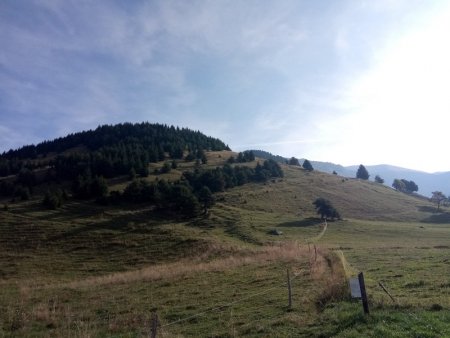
[
  {"x": 353, "y": 198},
  {"x": 91, "y": 270}
]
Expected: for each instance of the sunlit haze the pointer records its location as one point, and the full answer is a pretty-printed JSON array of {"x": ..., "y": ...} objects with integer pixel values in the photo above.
[{"x": 347, "y": 82}]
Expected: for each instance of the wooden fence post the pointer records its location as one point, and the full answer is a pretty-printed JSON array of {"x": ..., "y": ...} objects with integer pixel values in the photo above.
[
  {"x": 154, "y": 328},
  {"x": 289, "y": 290},
  {"x": 315, "y": 253},
  {"x": 362, "y": 286}
]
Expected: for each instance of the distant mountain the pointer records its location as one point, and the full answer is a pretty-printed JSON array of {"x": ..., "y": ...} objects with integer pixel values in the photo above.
[
  {"x": 328, "y": 167},
  {"x": 427, "y": 182}
]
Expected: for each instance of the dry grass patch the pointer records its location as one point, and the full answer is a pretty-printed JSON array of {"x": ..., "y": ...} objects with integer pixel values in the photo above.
[
  {"x": 285, "y": 252},
  {"x": 327, "y": 270}
]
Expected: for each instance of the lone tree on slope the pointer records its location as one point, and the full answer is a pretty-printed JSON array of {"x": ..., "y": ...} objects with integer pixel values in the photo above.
[
  {"x": 362, "y": 173},
  {"x": 405, "y": 186},
  {"x": 438, "y": 197},
  {"x": 325, "y": 209}
]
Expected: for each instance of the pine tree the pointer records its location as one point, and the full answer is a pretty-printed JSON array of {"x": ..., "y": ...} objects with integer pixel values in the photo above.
[
  {"x": 166, "y": 168},
  {"x": 307, "y": 165},
  {"x": 206, "y": 197},
  {"x": 362, "y": 173},
  {"x": 293, "y": 161}
]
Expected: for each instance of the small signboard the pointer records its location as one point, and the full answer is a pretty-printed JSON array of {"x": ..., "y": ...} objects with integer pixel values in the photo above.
[{"x": 354, "y": 288}]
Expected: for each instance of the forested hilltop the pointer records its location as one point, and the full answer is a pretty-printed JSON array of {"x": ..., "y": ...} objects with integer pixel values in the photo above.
[
  {"x": 98, "y": 164},
  {"x": 109, "y": 150}
]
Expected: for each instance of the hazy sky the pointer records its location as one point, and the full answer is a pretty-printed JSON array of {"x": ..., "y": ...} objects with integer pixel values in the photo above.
[{"x": 343, "y": 81}]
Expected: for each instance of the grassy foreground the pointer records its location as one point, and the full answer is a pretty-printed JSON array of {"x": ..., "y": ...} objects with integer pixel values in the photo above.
[{"x": 91, "y": 271}]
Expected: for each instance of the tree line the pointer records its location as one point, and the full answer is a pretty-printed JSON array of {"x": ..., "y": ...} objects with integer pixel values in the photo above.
[
  {"x": 402, "y": 185},
  {"x": 194, "y": 191},
  {"x": 110, "y": 149},
  {"x": 188, "y": 196}
]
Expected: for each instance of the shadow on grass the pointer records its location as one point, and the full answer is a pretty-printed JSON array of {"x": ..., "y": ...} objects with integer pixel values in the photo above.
[
  {"x": 427, "y": 208},
  {"x": 142, "y": 222},
  {"x": 71, "y": 210},
  {"x": 438, "y": 218},
  {"x": 307, "y": 222}
]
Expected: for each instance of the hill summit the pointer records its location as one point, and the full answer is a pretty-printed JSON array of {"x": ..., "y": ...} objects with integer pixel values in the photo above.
[{"x": 110, "y": 149}]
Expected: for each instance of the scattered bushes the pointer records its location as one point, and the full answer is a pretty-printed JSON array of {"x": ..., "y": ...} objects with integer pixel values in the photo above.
[
  {"x": 54, "y": 198},
  {"x": 194, "y": 192}
]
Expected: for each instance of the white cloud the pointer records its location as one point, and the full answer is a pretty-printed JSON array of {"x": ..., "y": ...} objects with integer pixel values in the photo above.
[
  {"x": 286, "y": 70},
  {"x": 398, "y": 109}
]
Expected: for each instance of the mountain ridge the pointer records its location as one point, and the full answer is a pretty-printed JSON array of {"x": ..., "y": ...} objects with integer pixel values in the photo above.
[{"x": 427, "y": 182}]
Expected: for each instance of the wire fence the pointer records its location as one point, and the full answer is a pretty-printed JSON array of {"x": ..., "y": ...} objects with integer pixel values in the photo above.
[
  {"x": 262, "y": 320},
  {"x": 287, "y": 283}
]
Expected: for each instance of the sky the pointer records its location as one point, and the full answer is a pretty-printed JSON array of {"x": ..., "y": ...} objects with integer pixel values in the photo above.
[{"x": 348, "y": 82}]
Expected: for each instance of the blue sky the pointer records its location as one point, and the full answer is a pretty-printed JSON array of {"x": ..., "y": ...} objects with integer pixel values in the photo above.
[{"x": 343, "y": 81}]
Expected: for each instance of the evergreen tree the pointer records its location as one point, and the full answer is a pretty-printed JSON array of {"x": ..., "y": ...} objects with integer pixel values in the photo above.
[
  {"x": 273, "y": 168},
  {"x": 174, "y": 164},
  {"x": 249, "y": 156},
  {"x": 293, "y": 161},
  {"x": 240, "y": 158},
  {"x": 23, "y": 192},
  {"x": 261, "y": 174},
  {"x": 362, "y": 173},
  {"x": 6, "y": 188},
  {"x": 189, "y": 157},
  {"x": 166, "y": 168},
  {"x": 307, "y": 165},
  {"x": 144, "y": 172},
  {"x": 133, "y": 191},
  {"x": 26, "y": 177},
  {"x": 206, "y": 197},
  {"x": 204, "y": 159},
  {"x": 200, "y": 153},
  {"x": 183, "y": 201},
  {"x": 99, "y": 187},
  {"x": 246, "y": 156},
  {"x": 132, "y": 174},
  {"x": 177, "y": 152},
  {"x": 53, "y": 198}
]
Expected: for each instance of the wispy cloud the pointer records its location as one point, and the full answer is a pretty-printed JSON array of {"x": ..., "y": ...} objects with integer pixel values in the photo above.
[{"x": 287, "y": 75}]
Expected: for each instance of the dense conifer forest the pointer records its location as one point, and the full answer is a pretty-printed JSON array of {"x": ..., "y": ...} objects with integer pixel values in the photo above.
[
  {"x": 79, "y": 165},
  {"x": 108, "y": 150}
]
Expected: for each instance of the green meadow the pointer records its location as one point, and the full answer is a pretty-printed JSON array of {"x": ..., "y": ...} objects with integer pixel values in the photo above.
[{"x": 87, "y": 270}]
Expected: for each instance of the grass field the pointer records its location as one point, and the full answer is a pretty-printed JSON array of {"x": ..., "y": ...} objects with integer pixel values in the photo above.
[{"x": 92, "y": 271}]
